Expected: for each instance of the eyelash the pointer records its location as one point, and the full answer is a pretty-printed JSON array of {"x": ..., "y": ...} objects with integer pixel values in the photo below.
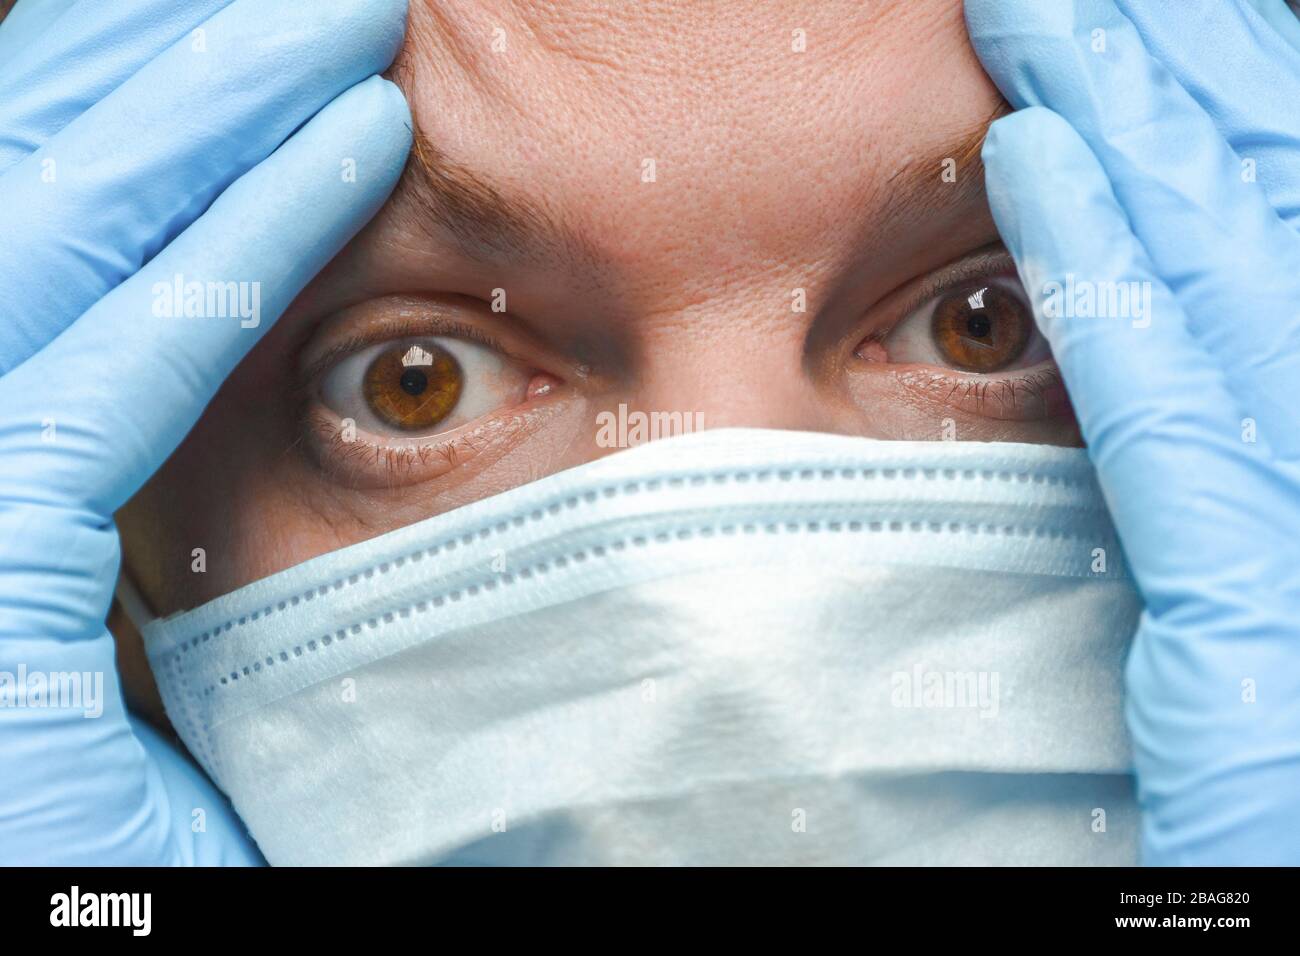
[
  {"x": 982, "y": 265},
  {"x": 1035, "y": 385},
  {"x": 396, "y": 459}
]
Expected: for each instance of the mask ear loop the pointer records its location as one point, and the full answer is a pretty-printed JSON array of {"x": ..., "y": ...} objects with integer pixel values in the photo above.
[{"x": 133, "y": 603}]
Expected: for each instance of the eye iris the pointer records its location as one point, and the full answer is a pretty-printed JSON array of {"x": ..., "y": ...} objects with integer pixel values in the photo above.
[
  {"x": 981, "y": 328},
  {"x": 413, "y": 386}
]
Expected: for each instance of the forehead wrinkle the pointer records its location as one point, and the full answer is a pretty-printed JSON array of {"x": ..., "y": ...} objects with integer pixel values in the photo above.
[
  {"x": 447, "y": 199},
  {"x": 446, "y": 57},
  {"x": 575, "y": 214},
  {"x": 449, "y": 41}
]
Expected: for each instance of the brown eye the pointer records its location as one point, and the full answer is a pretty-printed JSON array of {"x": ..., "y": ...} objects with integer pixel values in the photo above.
[
  {"x": 413, "y": 387},
  {"x": 981, "y": 328}
]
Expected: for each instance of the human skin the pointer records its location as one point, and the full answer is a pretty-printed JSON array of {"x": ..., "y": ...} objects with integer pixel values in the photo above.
[{"x": 774, "y": 170}]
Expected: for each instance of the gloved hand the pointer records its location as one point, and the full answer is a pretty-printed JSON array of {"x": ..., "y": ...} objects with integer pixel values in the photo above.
[
  {"x": 141, "y": 141},
  {"x": 1120, "y": 168}
]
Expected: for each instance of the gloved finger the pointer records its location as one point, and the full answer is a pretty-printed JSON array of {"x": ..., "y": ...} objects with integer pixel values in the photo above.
[
  {"x": 1212, "y": 769},
  {"x": 1179, "y": 182},
  {"x": 1254, "y": 103},
  {"x": 42, "y": 786},
  {"x": 134, "y": 373},
  {"x": 1160, "y": 424},
  {"x": 102, "y": 196},
  {"x": 89, "y": 52},
  {"x": 26, "y": 23}
]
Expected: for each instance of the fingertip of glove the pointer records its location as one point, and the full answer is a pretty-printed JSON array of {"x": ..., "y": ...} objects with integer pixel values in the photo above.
[
  {"x": 368, "y": 124},
  {"x": 1035, "y": 136},
  {"x": 380, "y": 101},
  {"x": 381, "y": 96},
  {"x": 378, "y": 119},
  {"x": 1053, "y": 203},
  {"x": 379, "y": 24},
  {"x": 1038, "y": 172}
]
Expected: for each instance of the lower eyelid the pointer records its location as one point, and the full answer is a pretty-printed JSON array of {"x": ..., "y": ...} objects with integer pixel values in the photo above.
[
  {"x": 363, "y": 462},
  {"x": 1029, "y": 394},
  {"x": 384, "y": 461}
]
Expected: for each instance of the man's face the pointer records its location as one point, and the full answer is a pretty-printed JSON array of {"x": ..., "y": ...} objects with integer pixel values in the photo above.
[{"x": 751, "y": 212}]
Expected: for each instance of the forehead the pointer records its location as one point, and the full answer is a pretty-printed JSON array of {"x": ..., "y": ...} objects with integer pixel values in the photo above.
[{"x": 648, "y": 126}]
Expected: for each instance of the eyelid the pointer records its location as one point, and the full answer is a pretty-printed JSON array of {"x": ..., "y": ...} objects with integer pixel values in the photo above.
[
  {"x": 986, "y": 263},
  {"x": 1023, "y": 395}
]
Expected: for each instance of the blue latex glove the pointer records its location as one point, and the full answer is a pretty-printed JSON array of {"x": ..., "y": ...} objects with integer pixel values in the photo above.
[
  {"x": 1120, "y": 167},
  {"x": 134, "y": 149},
  {"x": 1252, "y": 101}
]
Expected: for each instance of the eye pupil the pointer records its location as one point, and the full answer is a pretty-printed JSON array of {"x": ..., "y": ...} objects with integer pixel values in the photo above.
[
  {"x": 979, "y": 325},
  {"x": 413, "y": 381}
]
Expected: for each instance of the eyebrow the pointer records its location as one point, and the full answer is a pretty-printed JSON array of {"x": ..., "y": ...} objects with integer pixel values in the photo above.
[
  {"x": 919, "y": 182},
  {"x": 489, "y": 225},
  {"x": 485, "y": 222}
]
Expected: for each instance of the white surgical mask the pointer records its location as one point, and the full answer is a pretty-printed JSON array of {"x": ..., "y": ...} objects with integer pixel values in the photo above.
[{"x": 735, "y": 646}]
